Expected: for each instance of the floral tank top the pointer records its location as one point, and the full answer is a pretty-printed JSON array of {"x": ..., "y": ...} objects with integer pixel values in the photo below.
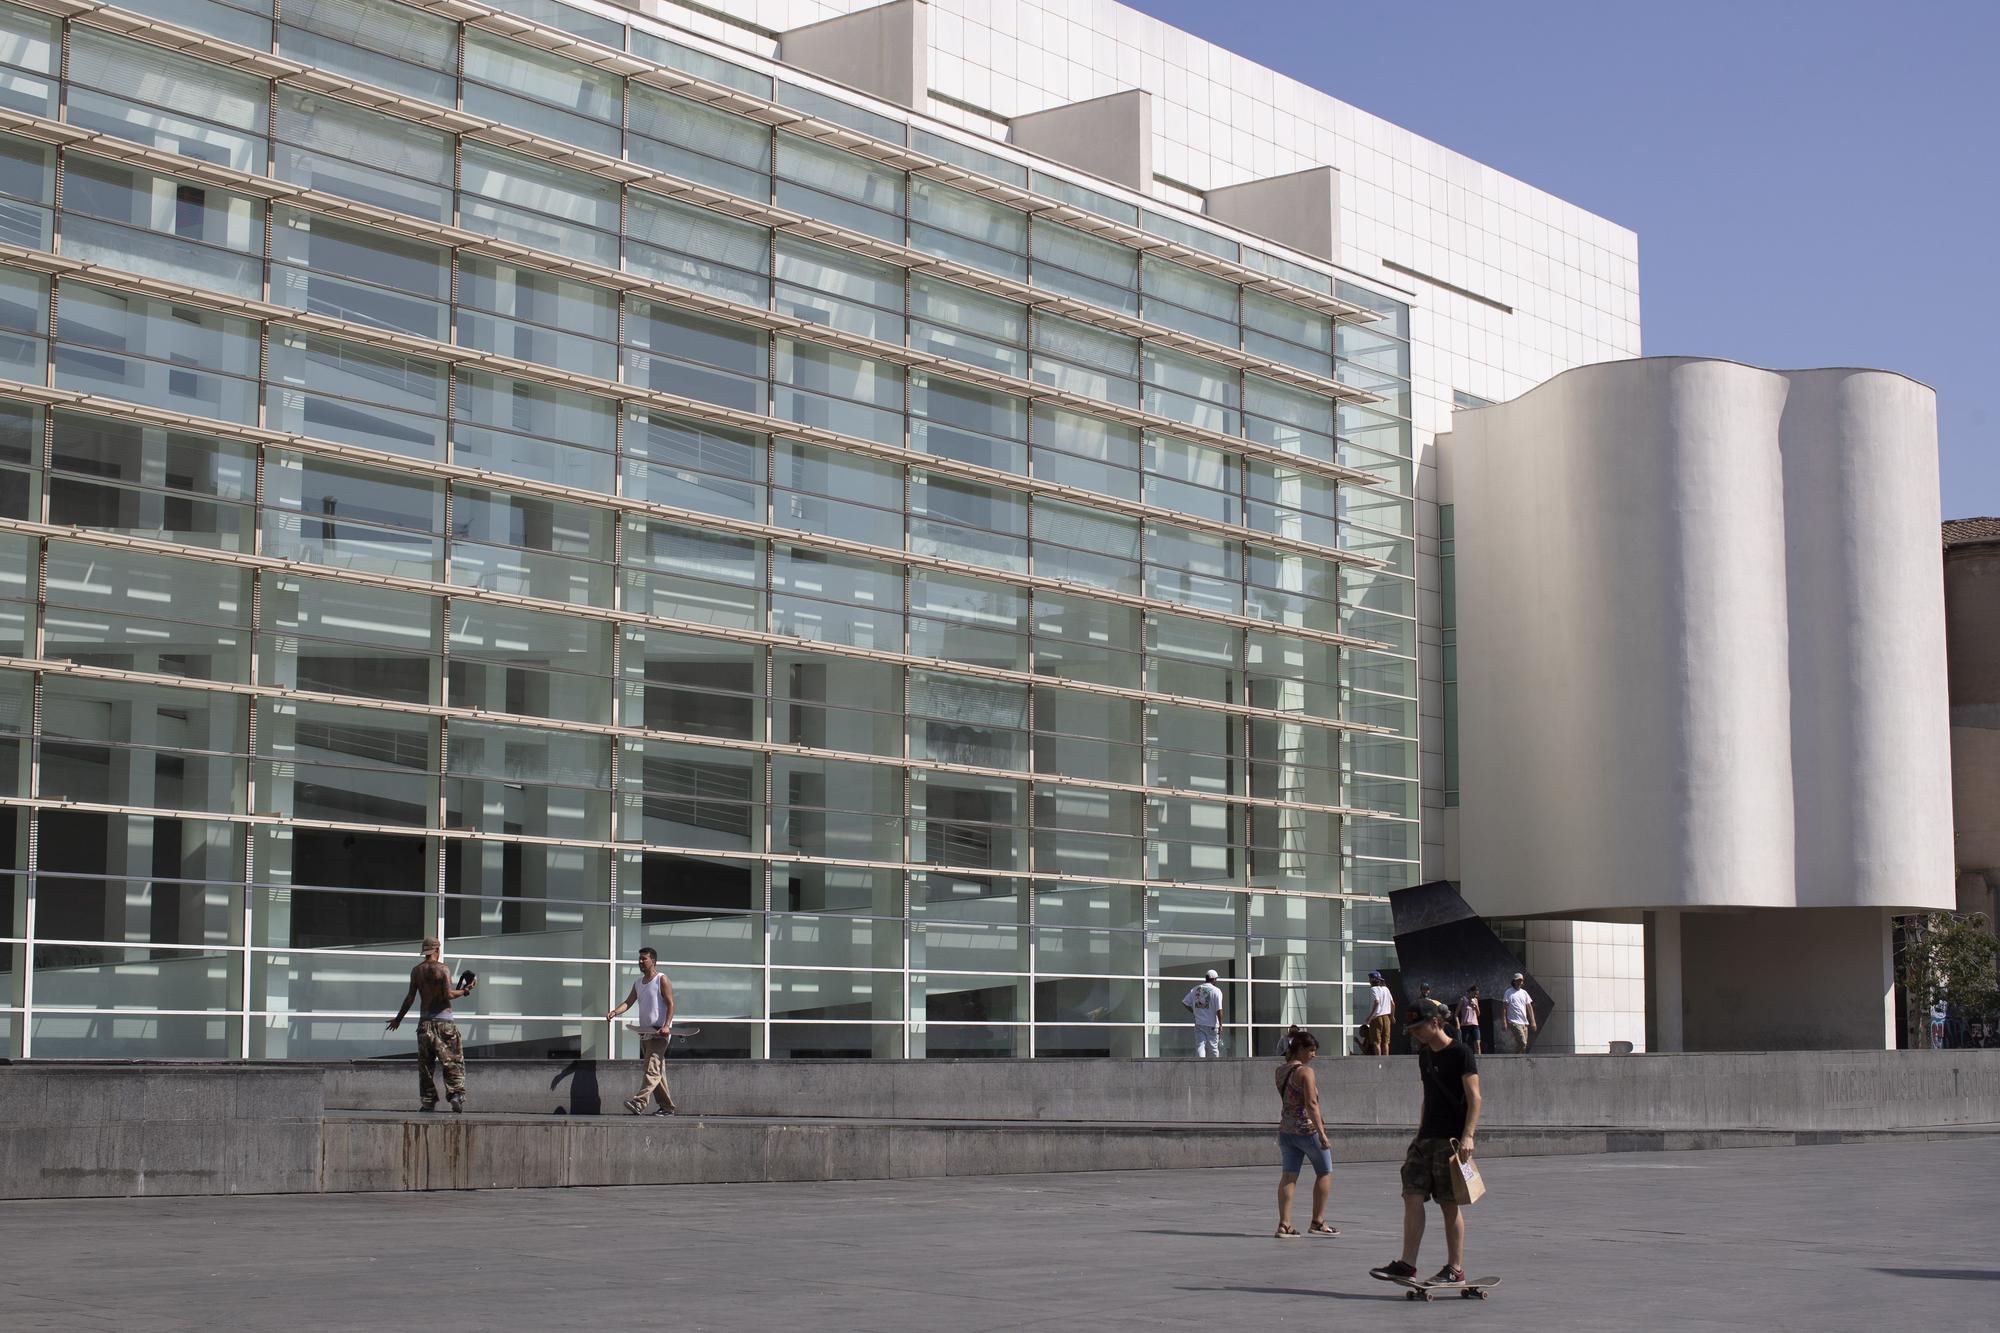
[{"x": 1294, "y": 1117}]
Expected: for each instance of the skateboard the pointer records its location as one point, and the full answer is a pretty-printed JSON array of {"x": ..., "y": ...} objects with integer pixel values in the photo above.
[
  {"x": 677, "y": 1030},
  {"x": 1470, "y": 1289}
]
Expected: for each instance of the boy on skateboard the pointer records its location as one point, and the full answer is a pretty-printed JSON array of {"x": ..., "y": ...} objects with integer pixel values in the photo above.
[{"x": 1450, "y": 1075}]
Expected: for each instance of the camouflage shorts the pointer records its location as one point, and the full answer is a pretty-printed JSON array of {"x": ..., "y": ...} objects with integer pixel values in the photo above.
[
  {"x": 439, "y": 1047},
  {"x": 1427, "y": 1169}
]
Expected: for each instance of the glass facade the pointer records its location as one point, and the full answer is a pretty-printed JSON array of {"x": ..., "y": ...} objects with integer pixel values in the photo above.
[{"x": 538, "y": 536}]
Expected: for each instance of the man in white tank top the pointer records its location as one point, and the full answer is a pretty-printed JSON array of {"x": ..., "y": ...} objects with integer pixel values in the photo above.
[{"x": 654, "y": 995}]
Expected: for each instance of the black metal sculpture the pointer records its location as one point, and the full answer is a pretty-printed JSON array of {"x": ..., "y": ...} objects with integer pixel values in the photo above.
[{"x": 1442, "y": 941}]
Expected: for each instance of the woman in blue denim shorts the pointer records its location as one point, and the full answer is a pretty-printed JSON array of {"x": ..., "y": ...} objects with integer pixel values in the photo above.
[{"x": 1302, "y": 1135}]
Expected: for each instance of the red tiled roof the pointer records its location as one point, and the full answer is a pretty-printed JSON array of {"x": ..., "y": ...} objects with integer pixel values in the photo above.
[{"x": 1971, "y": 531}]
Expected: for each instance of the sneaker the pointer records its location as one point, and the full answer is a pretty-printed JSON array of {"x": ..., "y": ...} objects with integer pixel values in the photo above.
[
  {"x": 636, "y": 1107},
  {"x": 1448, "y": 1274},
  {"x": 428, "y": 1107},
  {"x": 667, "y": 1110},
  {"x": 1395, "y": 1272},
  {"x": 458, "y": 1103}
]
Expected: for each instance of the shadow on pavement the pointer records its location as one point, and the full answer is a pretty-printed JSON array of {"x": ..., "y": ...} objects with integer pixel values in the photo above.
[
  {"x": 1962, "y": 1274},
  {"x": 1303, "y": 1291},
  {"x": 1209, "y": 1235}
]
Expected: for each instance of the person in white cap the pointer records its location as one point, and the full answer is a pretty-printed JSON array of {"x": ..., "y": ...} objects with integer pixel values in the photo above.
[
  {"x": 1205, "y": 1003},
  {"x": 1520, "y": 1014}
]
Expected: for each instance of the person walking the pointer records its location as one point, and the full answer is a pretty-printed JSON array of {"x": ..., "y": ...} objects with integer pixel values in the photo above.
[
  {"x": 439, "y": 1047},
  {"x": 1204, "y": 1001},
  {"x": 1302, "y": 1135},
  {"x": 654, "y": 995},
  {"x": 1520, "y": 1013},
  {"x": 1469, "y": 1030},
  {"x": 1445, "y": 1136},
  {"x": 1380, "y": 1015}
]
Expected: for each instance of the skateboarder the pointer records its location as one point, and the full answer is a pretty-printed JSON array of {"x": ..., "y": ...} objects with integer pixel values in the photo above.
[
  {"x": 1205, "y": 1003},
  {"x": 654, "y": 995},
  {"x": 1450, "y": 1075},
  {"x": 438, "y": 1041},
  {"x": 1302, "y": 1135},
  {"x": 1380, "y": 1015}
]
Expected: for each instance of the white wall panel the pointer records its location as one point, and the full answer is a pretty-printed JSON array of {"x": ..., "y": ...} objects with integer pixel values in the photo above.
[{"x": 1701, "y": 642}]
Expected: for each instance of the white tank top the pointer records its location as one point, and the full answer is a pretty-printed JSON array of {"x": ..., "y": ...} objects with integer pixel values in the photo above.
[{"x": 652, "y": 1004}]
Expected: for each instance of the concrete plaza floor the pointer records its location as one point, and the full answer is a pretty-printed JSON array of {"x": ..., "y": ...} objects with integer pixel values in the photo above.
[{"x": 1865, "y": 1236}]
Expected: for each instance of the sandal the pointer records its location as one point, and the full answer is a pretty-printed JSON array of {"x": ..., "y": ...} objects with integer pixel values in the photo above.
[
  {"x": 1286, "y": 1233},
  {"x": 1322, "y": 1229}
]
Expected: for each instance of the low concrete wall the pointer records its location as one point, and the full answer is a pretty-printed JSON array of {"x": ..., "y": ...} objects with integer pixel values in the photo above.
[
  {"x": 381, "y": 1152},
  {"x": 79, "y": 1131},
  {"x": 118, "y": 1129},
  {"x": 1793, "y": 1090}
]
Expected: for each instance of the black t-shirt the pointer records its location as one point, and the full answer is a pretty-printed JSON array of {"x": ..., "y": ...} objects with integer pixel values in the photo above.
[{"x": 1443, "y": 1073}]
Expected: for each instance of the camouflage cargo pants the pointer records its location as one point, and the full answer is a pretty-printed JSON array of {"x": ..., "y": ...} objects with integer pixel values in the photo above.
[{"x": 438, "y": 1044}]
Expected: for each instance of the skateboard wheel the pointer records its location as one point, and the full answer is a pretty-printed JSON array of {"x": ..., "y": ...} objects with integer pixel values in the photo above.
[{"x": 1411, "y": 1295}]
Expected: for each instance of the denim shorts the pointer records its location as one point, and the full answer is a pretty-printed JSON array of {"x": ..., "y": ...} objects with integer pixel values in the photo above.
[{"x": 1296, "y": 1149}]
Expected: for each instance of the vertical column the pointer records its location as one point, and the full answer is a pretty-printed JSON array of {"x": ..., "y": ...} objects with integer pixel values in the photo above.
[{"x": 1664, "y": 1004}]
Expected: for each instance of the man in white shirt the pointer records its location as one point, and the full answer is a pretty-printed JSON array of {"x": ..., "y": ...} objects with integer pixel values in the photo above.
[
  {"x": 1205, "y": 1003},
  {"x": 654, "y": 995},
  {"x": 1381, "y": 1016},
  {"x": 1520, "y": 1013}
]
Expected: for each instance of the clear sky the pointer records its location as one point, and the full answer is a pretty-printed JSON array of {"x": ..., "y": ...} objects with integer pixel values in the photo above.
[{"x": 1814, "y": 182}]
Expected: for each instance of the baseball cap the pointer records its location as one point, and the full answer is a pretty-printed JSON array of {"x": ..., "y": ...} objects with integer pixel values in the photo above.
[
  {"x": 1423, "y": 1011},
  {"x": 1519, "y": 977},
  {"x": 1212, "y": 974},
  {"x": 1374, "y": 976}
]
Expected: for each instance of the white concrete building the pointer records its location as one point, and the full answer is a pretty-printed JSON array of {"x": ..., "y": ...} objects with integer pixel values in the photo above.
[{"x": 1722, "y": 585}]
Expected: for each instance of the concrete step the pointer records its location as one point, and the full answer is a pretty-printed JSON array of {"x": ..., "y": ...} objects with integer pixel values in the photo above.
[{"x": 376, "y": 1151}]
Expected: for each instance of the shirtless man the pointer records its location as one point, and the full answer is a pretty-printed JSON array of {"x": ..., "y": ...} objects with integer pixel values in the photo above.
[{"x": 437, "y": 1034}]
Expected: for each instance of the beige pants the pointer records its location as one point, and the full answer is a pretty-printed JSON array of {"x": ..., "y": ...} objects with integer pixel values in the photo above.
[
  {"x": 1520, "y": 1034},
  {"x": 654, "y": 1050},
  {"x": 1379, "y": 1030}
]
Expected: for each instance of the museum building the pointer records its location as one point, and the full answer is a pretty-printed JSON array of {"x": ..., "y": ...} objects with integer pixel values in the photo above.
[{"x": 930, "y": 516}]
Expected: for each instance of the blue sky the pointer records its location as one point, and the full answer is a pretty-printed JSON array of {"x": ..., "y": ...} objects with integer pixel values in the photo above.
[{"x": 1814, "y": 182}]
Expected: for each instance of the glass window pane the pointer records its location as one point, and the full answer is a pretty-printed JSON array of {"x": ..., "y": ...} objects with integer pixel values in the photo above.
[
  {"x": 360, "y": 274},
  {"x": 524, "y": 429},
  {"x": 671, "y": 460},
  {"x": 389, "y": 45},
  {"x": 330, "y": 145},
  {"x": 840, "y": 290},
  {"x": 137, "y": 91},
  {"x": 538, "y": 204},
  {"x": 345, "y": 638},
  {"x": 161, "y": 227},
  {"x": 29, "y": 54},
  {"x": 699, "y": 143},
  {"x": 542, "y": 93},
  {"x": 533, "y": 316},
  {"x": 350, "y": 393},
  {"x": 692, "y": 247},
  {"x": 159, "y": 353}
]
